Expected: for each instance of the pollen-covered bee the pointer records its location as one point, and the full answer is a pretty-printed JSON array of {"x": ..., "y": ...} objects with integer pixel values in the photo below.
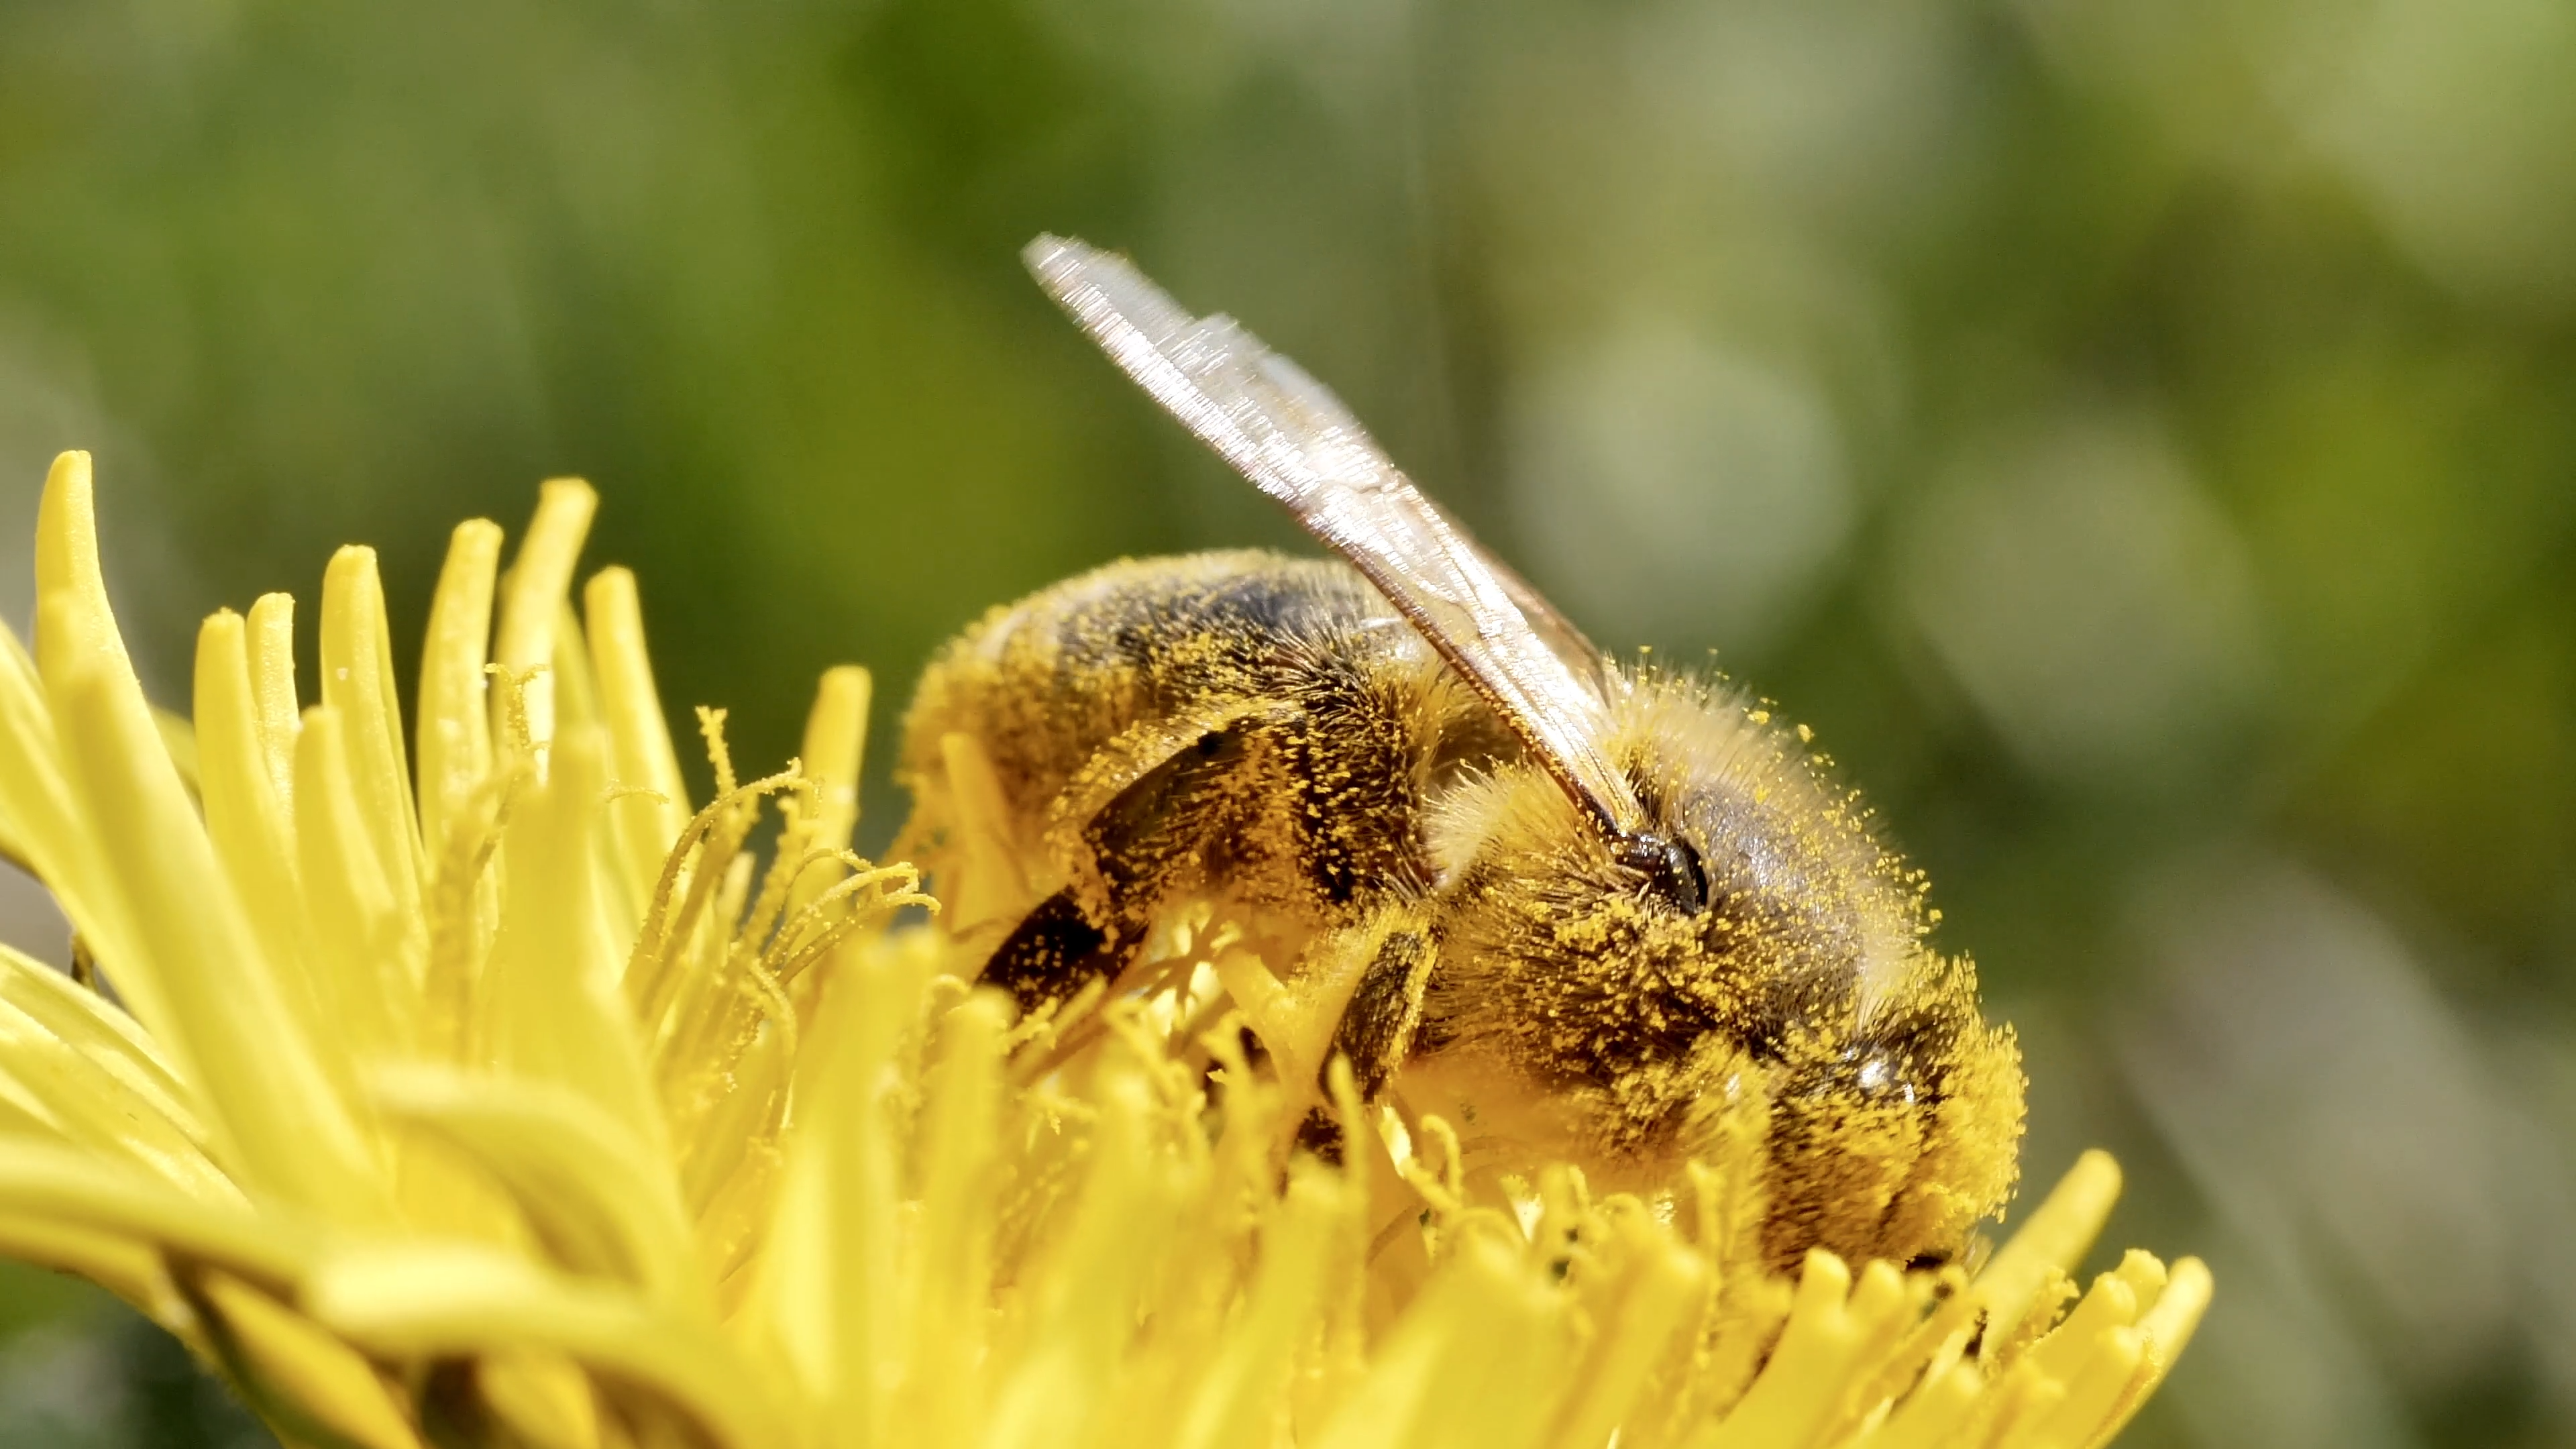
[{"x": 1588, "y": 912}]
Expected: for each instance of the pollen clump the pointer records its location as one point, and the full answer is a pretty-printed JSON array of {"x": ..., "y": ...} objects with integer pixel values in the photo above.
[{"x": 478, "y": 1088}]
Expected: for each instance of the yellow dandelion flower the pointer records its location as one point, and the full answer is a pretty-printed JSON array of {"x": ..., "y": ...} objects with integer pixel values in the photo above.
[{"x": 485, "y": 1093}]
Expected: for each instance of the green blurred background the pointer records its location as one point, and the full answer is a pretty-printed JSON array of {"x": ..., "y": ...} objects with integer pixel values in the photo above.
[{"x": 2139, "y": 435}]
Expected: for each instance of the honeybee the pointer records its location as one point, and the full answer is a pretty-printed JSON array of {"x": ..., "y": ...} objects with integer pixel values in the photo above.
[{"x": 1595, "y": 913}]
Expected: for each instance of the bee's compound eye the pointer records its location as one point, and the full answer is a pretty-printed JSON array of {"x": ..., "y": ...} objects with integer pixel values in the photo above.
[{"x": 1671, "y": 868}]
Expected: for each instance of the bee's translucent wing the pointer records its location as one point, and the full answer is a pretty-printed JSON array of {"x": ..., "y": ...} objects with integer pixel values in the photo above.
[{"x": 1296, "y": 442}]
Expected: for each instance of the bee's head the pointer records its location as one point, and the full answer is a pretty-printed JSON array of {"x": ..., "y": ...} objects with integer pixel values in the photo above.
[{"x": 1742, "y": 978}]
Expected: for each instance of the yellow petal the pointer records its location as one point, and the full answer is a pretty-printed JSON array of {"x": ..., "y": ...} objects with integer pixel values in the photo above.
[
  {"x": 618, "y": 906},
  {"x": 80, "y": 1101},
  {"x": 48, "y": 1183},
  {"x": 543, "y": 1398},
  {"x": 278, "y": 1124},
  {"x": 455, "y": 729},
  {"x": 179, "y": 737},
  {"x": 1934, "y": 1413},
  {"x": 2091, "y": 1396},
  {"x": 598, "y": 1200},
  {"x": 1083, "y": 1291},
  {"x": 1666, "y": 1283},
  {"x": 836, "y": 739},
  {"x": 649, "y": 818},
  {"x": 272, "y": 687},
  {"x": 951, "y": 1277},
  {"x": 248, "y": 824},
  {"x": 17, "y": 669},
  {"x": 1237, "y": 1400},
  {"x": 1478, "y": 1360},
  {"x": 2177, "y": 1313},
  {"x": 2111, "y": 1303},
  {"x": 21, "y": 691},
  {"x": 832, "y": 1239},
  {"x": 122, "y": 1266},
  {"x": 576, "y": 691},
  {"x": 724, "y": 1135},
  {"x": 82, "y": 633},
  {"x": 460, "y": 796},
  {"x": 356, "y": 927},
  {"x": 301, "y": 1379},
  {"x": 2055, "y": 1238},
  {"x": 557, "y": 1011},
  {"x": 991, "y": 886},
  {"x": 47, "y": 834},
  {"x": 78, "y": 1017},
  {"x": 1832, "y": 1325},
  {"x": 77, "y": 637},
  {"x": 358, "y": 682},
  {"x": 460, "y": 1301},
  {"x": 533, "y": 597},
  {"x": 2164, "y": 1329}
]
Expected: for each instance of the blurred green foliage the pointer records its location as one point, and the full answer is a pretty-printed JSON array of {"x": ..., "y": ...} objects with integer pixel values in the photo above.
[{"x": 2140, "y": 435}]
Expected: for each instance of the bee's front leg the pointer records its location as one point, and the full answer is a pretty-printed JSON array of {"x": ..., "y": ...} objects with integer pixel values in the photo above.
[
  {"x": 1379, "y": 1023},
  {"x": 1147, "y": 838},
  {"x": 1055, "y": 951}
]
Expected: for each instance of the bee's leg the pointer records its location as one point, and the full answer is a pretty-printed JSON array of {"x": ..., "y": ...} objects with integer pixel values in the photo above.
[
  {"x": 1055, "y": 951},
  {"x": 1377, "y": 1029},
  {"x": 1140, "y": 843}
]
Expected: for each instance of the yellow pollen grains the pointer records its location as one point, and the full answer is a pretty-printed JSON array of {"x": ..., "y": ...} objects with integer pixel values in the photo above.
[{"x": 474, "y": 1086}]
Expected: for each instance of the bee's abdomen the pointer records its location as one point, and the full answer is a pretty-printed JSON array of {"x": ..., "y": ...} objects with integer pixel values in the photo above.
[
  {"x": 1336, "y": 681},
  {"x": 1043, "y": 684}
]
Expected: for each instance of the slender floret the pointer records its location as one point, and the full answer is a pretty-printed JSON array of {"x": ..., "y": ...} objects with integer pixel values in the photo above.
[{"x": 477, "y": 1087}]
